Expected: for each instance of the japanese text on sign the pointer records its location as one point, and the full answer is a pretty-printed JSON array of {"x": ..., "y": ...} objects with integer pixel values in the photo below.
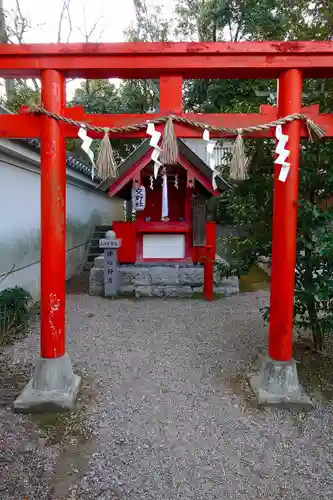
[
  {"x": 105, "y": 243},
  {"x": 110, "y": 265},
  {"x": 139, "y": 198}
]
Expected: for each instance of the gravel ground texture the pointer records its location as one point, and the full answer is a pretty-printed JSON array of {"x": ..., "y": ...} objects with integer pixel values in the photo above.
[{"x": 164, "y": 413}]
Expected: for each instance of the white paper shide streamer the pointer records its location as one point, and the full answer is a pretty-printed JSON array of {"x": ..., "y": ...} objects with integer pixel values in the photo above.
[
  {"x": 165, "y": 204},
  {"x": 154, "y": 140},
  {"x": 86, "y": 148},
  {"x": 211, "y": 158},
  {"x": 282, "y": 153}
]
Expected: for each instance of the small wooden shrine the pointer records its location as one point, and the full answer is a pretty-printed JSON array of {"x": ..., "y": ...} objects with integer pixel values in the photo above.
[{"x": 166, "y": 207}]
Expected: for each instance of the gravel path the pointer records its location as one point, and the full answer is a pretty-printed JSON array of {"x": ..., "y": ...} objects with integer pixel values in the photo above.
[{"x": 165, "y": 412}]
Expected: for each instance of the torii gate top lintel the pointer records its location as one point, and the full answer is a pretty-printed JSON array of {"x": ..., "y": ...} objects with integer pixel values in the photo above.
[{"x": 150, "y": 60}]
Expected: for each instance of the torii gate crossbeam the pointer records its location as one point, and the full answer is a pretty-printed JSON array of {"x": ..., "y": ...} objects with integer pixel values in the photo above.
[{"x": 54, "y": 383}]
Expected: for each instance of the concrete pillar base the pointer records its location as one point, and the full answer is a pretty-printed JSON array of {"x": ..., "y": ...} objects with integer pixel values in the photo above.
[
  {"x": 276, "y": 384},
  {"x": 53, "y": 387}
]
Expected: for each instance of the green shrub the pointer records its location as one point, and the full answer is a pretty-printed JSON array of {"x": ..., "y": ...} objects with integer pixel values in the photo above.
[{"x": 14, "y": 306}]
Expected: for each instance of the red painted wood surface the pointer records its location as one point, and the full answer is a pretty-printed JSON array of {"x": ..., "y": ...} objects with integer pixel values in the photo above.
[
  {"x": 162, "y": 227},
  {"x": 53, "y": 220},
  {"x": 29, "y": 126},
  {"x": 284, "y": 226},
  {"x": 196, "y": 174},
  {"x": 178, "y": 200},
  {"x": 126, "y": 231},
  {"x": 199, "y": 253},
  {"x": 209, "y": 260},
  {"x": 131, "y": 174},
  {"x": 151, "y": 60},
  {"x": 188, "y": 220},
  {"x": 153, "y": 206},
  {"x": 171, "y": 94}
]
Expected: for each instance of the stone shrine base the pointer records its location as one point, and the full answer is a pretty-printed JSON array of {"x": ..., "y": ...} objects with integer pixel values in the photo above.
[{"x": 160, "y": 280}]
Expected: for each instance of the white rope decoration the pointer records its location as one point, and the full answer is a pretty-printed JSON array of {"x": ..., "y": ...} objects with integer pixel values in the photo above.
[
  {"x": 154, "y": 140},
  {"x": 86, "y": 143},
  {"x": 282, "y": 152},
  {"x": 211, "y": 158}
]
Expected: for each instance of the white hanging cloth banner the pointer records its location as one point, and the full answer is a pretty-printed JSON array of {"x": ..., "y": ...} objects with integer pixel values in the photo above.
[
  {"x": 282, "y": 152},
  {"x": 211, "y": 158},
  {"x": 82, "y": 133},
  {"x": 154, "y": 140},
  {"x": 165, "y": 204}
]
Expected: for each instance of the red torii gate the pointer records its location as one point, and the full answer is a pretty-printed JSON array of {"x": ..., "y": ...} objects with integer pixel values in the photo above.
[{"x": 54, "y": 382}]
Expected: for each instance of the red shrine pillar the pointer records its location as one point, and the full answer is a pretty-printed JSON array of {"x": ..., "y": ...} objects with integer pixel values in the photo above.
[
  {"x": 277, "y": 382},
  {"x": 285, "y": 224},
  {"x": 54, "y": 386},
  {"x": 53, "y": 219}
]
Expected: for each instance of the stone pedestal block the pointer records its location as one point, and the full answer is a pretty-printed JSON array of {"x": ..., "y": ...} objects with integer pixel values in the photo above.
[{"x": 277, "y": 384}]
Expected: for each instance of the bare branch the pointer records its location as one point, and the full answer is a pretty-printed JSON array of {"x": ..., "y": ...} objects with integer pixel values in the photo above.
[
  {"x": 87, "y": 35},
  {"x": 22, "y": 22},
  {"x": 64, "y": 9},
  {"x": 69, "y": 18}
]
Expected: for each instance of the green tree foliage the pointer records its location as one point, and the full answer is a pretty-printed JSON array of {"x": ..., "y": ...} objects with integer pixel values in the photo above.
[
  {"x": 21, "y": 95},
  {"x": 252, "y": 211}
]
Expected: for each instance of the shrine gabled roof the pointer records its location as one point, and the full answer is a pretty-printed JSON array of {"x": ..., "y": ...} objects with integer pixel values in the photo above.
[{"x": 126, "y": 168}]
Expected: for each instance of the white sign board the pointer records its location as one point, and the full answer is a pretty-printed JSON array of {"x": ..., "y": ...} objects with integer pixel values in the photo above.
[
  {"x": 105, "y": 243},
  {"x": 163, "y": 246},
  {"x": 139, "y": 198}
]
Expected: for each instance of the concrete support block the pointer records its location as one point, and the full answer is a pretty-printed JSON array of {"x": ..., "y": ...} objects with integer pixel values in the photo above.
[
  {"x": 132, "y": 275},
  {"x": 232, "y": 281},
  {"x": 99, "y": 262},
  {"x": 53, "y": 387},
  {"x": 157, "y": 291},
  {"x": 276, "y": 384},
  {"x": 96, "y": 281},
  {"x": 127, "y": 289},
  {"x": 179, "y": 291},
  {"x": 193, "y": 276},
  {"x": 148, "y": 291},
  {"x": 226, "y": 291},
  {"x": 164, "y": 275}
]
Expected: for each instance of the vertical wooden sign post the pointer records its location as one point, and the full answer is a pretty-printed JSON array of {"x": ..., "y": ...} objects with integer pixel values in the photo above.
[{"x": 111, "y": 274}]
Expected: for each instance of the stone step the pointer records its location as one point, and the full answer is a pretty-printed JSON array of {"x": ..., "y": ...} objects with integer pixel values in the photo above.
[
  {"x": 98, "y": 235},
  {"x": 92, "y": 255},
  {"x": 88, "y": 266},
  {"x": 94, "y": 243},
  {"x": 100, "y": 229}
]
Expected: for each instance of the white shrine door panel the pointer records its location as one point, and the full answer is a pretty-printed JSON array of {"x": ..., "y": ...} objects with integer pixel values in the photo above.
[{"x": 163, "y": 246}]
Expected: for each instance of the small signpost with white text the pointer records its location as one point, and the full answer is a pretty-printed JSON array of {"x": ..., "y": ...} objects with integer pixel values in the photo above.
[{"x": 110, "y": 244}]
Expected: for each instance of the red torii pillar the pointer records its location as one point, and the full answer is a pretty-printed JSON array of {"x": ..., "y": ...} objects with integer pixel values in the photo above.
[
  {"x": 277, "y": 383},
  {"x": 53, "y": 385}
]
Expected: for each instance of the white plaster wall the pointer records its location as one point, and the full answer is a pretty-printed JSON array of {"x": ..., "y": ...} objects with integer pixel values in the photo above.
[
  {"x": 222, "y": 150},
  {"x": 20, "y": 217}
]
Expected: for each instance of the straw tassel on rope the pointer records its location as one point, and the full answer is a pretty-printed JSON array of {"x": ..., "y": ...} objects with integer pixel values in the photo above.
[
  {"x": 106, "y": 165},
  {"x": 315, "y": 131},
  {"x": 169, "y": 153},
  {"x": 238, "y": 165}
]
